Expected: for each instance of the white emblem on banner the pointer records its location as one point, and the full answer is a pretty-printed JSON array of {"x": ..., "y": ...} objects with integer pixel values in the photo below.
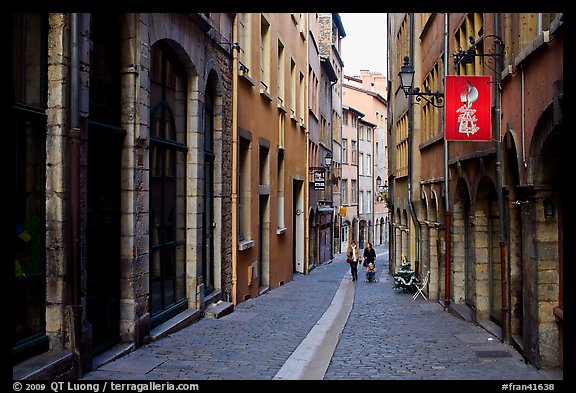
[{"x": 466, "y": 114}]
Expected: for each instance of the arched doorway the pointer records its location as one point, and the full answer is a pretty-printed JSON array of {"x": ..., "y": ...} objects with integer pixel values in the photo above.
[
  {"x": 487, "y": 253},
  {"x": 515, "y": 232},
  {"x": 463, "y": 261},
  {"x": 544, "y": 246}
]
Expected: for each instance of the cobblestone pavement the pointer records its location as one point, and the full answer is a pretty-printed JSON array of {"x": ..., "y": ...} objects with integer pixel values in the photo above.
[{"x": 387, "y": 336}]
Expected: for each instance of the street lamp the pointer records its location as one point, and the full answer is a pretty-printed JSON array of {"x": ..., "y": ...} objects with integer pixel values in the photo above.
[
  {"x": 406, "y": 83},
  {"x": 382, "y": 189},
  {"x": 328, "y": 160},
  {"x": 327, "y": 164}
]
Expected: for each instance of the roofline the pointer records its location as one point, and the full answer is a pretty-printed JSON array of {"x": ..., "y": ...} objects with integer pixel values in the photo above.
[{"x": 338, "y": 21}]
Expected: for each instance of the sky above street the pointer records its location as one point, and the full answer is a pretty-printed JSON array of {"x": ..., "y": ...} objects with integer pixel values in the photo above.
[{"x": 364, "y": 47}]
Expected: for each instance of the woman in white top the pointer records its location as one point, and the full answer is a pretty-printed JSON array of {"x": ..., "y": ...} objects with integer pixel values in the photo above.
[{"x": 353, "y": 257}]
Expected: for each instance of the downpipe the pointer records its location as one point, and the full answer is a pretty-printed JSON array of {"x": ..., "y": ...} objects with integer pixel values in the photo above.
[{"x": 74, "y": 200}]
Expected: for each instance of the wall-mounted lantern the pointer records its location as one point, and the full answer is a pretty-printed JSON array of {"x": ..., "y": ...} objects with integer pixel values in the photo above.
[{"x": 548, "y": 207}]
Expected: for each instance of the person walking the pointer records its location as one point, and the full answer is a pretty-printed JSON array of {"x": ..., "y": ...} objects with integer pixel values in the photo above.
[
  {"x": 369, "y": 255},
  {"x": 353, "y": 257}
]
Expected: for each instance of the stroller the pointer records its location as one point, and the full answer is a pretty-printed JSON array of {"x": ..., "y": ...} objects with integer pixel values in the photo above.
[{"x": 371, "y": 273}]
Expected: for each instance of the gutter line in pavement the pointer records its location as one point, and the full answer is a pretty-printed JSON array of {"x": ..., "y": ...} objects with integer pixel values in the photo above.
[{"x": 311, "y": 359}]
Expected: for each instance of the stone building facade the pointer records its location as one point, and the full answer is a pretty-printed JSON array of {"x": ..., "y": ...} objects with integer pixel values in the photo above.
[
  {"x": 122, "y": 139},
  {"x": 485, "y": 218}
]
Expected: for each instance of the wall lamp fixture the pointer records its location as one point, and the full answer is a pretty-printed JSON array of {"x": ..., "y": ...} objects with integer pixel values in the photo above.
[
  {"x": 548, "y": 207},
  {"x": 406, "y": 83}
]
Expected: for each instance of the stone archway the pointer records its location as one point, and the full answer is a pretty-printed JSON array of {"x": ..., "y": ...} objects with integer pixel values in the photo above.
[
  {"x": 463, "y": 269},
  {"x": 542, "y": 246},
  {"x": 515, "y": 234},
  {"x": 486, "y": 253}
]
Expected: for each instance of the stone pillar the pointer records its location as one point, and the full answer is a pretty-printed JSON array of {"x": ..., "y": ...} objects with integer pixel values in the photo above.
[{"x": 57, "y": 239}]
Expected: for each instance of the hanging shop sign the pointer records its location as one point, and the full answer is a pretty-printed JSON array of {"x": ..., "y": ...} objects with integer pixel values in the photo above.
[
  {"x": 319, "y": 182},
  {"x": 468, "y": 112}
]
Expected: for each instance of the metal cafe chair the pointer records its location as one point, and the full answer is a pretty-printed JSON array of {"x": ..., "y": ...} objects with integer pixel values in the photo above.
[{"x": 420, "y": 285}]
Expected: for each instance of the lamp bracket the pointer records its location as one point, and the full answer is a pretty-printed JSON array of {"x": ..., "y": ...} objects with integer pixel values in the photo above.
[
  {"x": 317, "y": 168},
  {"x": 467, "y": 56},
  {"x": 436, "y": 99},
  {"x": 407, "y": 71}
]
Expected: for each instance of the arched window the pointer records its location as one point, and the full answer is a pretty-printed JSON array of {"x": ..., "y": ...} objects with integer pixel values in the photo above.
[{"x": 167, "y": 184}]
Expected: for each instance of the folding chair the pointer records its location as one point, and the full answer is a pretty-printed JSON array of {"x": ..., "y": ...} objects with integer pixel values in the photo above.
[{"x": 420, "y": 285}]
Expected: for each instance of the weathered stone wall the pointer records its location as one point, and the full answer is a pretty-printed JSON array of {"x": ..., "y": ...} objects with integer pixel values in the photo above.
[{"x": 58, "y": 243}]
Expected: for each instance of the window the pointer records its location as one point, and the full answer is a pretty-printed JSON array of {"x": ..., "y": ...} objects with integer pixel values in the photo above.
[
  {"x": 402, "y": 146},
  {"x": 301, "y": 100},
  {"x": 244, "y": 191},
  {"x": 300, "y": 22},
  {"x": 336, "y": 126},
  {"x": 167, "y": 184},
  {"x": 264, "y": 55},
  {"x": 402, "y": 44},
  {"x": 323, "y": 126},
  {"x": 344, "y": 191},
  {"x": 361, "y": 164},
  {"x": 361, "y": 203},
  {"x": 281, "y": 129},
  {"x": 264, "y": 167},
  {"x": 281, "y": 74},
  {"x": 533, "y": 24},
  {"x": 424, "y": 17},
  {"x": 296, "y": 17},
  {"x": 293, "y": 89},
  {"x": 368, "y": 164},
  {"x": 430, "y": 114},
  {"x": 344, "y": 150},
  {"x": 245, "y": 41},
  {"x": 313, "y": 103},
  {"x": 281, "y": 194},
  {"x": 470, "y": 28},
  {"x": 368, "y": 202},
  {"x": 353, "y": 191},
  {"x": 28, "y": 124},
  {"x": 354, "y": 152}
]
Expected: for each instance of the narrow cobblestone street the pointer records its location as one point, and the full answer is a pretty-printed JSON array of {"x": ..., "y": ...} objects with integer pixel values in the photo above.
[
  {"x": 185, "y": 187},
  {"x": 387, "y": 336}
]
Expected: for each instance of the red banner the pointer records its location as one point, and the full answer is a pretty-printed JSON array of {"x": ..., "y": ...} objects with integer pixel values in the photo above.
[{"x": 468, "y": 114}]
